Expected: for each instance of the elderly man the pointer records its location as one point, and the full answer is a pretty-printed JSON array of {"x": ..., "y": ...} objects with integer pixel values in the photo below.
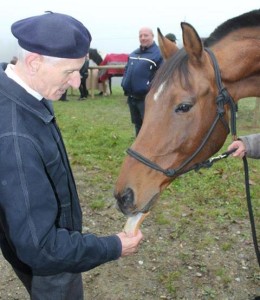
[
  {"x": 139, "y": 72},
  {"x": 40, "y": 214}
]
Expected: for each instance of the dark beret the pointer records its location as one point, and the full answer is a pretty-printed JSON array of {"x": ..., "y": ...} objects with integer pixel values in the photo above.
[
  {"x": 53, "y": 34},
  {"x": 171, "y": 37}
]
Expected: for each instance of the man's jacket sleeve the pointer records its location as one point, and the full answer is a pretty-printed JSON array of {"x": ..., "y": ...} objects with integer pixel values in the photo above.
[{"x": 31, "y": 214}]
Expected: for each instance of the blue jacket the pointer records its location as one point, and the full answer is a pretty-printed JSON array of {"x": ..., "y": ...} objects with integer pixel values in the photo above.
[
  {"x": 140, "y": 69},
  {"x": 40, "y": 214}
]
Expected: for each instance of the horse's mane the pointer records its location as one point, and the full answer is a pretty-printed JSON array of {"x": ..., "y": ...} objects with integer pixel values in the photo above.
[
  {"x": 178, "y": 62},
  {"x": 95, "y": 56},
  {"x": 249, "y": 19}
]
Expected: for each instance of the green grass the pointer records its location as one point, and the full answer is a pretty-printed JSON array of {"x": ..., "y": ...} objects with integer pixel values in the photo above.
[
  {"x": 98, "y": 131},
  {"x": 196, "y": 210}
]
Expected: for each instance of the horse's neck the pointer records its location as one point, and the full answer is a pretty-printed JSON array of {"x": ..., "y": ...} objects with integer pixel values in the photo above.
[
  {"x": 240, "y": 68},
  {"x": 96, "y": 57}
]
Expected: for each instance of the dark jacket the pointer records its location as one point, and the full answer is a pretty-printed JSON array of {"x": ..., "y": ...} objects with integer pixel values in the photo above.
[
  {"x": 40, "y": 214},
  {"x": 84, "y": 70},
  {"x": 140, "y": 69},
  {"x": 252, "y": 144}
]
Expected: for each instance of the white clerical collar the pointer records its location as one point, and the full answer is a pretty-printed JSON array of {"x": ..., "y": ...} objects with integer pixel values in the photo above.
[{"x": 11, "y": 74}]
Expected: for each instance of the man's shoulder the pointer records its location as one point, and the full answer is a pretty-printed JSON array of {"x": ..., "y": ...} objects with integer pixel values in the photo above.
[
  {"x": 135, "y": 52},
  {"x": 3, "y": 65},
  {"x": 154, "y": 47}
]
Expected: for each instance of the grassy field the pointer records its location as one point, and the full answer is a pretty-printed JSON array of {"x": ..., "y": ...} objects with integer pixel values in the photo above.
[
  {"x": 98, "y": 131},
  {"x": 197, "y": 240}
]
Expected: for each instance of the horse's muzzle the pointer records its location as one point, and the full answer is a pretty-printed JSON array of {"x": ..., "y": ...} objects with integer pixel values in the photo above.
[{"x": 125, "y": 202}]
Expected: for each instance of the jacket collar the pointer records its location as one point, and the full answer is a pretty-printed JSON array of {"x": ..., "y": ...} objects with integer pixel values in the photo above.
[
  {"x": 11, "y": 74},
  {"x": 142, "y": 49},
  {"x": 14, "y": 92}
]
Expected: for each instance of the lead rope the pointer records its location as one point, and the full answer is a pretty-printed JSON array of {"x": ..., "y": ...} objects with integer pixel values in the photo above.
[
  {"x": 250, "y": 210},
  {"x": 209, "y": 163}
]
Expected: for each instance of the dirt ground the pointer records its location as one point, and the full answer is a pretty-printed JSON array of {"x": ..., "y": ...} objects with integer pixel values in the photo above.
[{"x": 164, "y": 267}]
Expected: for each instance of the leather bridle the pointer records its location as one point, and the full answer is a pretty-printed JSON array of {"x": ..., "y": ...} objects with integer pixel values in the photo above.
[{"x": 222, "y": 99}]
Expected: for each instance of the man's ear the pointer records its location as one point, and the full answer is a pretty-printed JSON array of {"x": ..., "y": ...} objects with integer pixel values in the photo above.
[{"x": 33, "y": 62}]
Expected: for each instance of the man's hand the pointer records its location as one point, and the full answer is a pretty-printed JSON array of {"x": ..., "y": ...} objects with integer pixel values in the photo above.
[
  {"x": 241, "y": 150},
  {"x": 129, "y": 242}
]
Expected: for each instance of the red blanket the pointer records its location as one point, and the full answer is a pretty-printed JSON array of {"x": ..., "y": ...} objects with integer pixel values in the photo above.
[{"x": 113, "y": 59}]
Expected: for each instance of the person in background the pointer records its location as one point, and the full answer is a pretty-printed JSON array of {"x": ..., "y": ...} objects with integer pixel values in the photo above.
[
  {"x": 64, "y": 96},
  {"x": 139, "y": 72},
  {"x": 40, "y": 215},
  {"x": 13, "y": 61},
  {"x": 171, "y": 37},
  {"x": 83, "y": 82},
  {"x": 248, "y": 145},
  {"x": 4, "y": 65}
]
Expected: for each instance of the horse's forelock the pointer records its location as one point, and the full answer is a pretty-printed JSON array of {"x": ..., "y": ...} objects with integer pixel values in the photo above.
[{"x": 178, "y": 63}]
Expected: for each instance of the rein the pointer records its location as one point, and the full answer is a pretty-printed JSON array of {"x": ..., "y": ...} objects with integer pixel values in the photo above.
[
  {"x": 250, "y": 210},
  {"x": 222, "y": 99}
]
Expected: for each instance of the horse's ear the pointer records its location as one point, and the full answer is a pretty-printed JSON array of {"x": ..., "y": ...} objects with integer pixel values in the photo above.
[
  {"x": 167, "y": 47},
  {"x": 192, "y": 43}
]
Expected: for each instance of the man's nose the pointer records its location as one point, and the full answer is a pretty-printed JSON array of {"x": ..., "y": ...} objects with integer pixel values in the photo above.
[{"x": 74, "y": 81}]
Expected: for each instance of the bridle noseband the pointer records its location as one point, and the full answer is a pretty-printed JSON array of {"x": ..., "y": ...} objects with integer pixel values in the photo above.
[{"x": 222, "y": 99}]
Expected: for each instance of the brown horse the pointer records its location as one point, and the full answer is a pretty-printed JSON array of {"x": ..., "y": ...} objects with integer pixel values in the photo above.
[{"x": 188, "y": 107}]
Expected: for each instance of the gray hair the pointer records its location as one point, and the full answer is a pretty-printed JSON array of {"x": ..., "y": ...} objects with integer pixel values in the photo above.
[{"x": 22, "y": 53}]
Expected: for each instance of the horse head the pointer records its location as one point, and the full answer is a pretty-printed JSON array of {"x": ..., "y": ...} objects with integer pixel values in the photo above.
[{"x": 183, "y": 124}]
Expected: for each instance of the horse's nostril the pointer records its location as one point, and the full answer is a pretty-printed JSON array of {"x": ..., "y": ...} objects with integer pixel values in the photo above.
[
  {"x": 125, "y": 200},
  {"x": 128, "y": 197}
]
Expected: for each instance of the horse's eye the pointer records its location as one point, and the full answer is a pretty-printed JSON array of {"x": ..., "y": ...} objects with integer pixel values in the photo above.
[{"x": 183, "y": 107}]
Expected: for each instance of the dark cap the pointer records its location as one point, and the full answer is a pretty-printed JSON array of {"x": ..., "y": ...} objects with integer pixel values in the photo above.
[
  {"x": 53, "y": 34},
  {"x": 171, "y": 37}
]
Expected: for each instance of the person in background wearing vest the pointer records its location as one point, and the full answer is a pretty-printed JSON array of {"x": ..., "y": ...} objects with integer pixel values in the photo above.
[{"x": 139, "y": 72}]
